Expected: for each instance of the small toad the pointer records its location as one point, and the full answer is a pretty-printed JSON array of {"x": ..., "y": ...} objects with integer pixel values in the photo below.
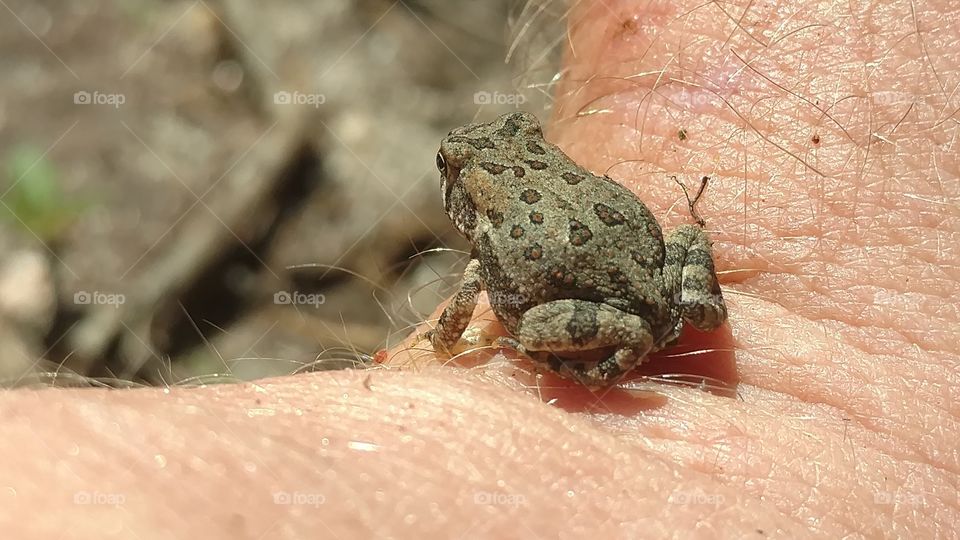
[{"x": 572, "y": 262}]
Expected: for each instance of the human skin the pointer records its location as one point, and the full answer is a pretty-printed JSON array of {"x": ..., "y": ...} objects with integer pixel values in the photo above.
[{"x": 833, "y": 207}]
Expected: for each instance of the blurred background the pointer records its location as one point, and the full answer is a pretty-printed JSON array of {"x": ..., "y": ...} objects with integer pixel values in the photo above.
[{"x": 194, "y": 191}]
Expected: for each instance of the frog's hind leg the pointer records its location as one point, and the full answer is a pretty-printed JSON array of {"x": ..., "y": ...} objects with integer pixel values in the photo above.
[
  {"x": 690, "y": 276},
  {"x": 578, "y": 325}
]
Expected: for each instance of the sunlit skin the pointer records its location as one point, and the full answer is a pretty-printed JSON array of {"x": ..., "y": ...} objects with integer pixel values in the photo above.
[{"x": 833, "y": 208}]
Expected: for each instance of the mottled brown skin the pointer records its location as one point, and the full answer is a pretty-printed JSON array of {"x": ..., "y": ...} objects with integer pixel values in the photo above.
[{"x": 571, "y": 261}]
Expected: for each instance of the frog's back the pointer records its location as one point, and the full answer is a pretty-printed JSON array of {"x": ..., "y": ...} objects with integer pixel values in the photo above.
[{"x": 583, "y": 236}]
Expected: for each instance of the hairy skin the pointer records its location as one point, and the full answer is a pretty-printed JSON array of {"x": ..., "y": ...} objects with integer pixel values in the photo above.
[{"x": 834, "y": 212}]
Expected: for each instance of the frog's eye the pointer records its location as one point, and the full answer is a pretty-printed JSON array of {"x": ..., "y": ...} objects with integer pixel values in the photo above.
[{"x": 441, "y": 163}]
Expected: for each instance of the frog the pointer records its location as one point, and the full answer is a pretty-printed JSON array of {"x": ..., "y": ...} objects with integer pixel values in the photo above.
[{"x": 576, "y": 267}]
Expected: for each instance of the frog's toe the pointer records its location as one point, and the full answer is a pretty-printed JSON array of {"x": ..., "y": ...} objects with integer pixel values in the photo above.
[
  {"x": 440, "y": 345},
  {"x": 507, "y": 342},
  {"x": 704, "y": 314},
  {"x": 604, "y": 373}
]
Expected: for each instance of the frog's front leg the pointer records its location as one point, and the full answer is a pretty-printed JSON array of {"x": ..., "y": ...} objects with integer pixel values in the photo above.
[
  {"x": 578, "y": 325},
  {"x": 456, "y": 316},
  {"x": 691, "y": 279}
]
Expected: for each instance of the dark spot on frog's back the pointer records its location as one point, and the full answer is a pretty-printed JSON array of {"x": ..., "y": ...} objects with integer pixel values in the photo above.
[
  {"x": 534, "y": 252},
  {"x": 530, "y": 196},
  {"x": 572, "y": 178},
  {"x": 561, "y": 277},
  {"x": 496, "y": 218},
  {"x": 536, "y": 165},
  {"x": 516, "y": 232},
  {"x": 651, "y": 259},
  {"x": 479, "y": 143},
  {"x": 608, "y": 215},
  {"x": 535, "y": 148},
  {"x": 579, "y": 233},
  {"x": 519, "y": 171},
  {"x": 510, "y": 127},
  {"x": 493, "y": 168},
  {"x": 536, "y": 218},
  {"x": 616, "y": 276}
]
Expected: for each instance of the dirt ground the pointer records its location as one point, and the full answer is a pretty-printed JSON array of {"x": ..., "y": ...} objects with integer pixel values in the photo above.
[{"x": 204, "y": 190}]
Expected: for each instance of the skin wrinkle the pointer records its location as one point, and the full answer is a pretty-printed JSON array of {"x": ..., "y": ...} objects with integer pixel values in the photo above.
[
  {"x": 748, "y": 470},
  {"x": 777, "y": 423},
  {"x": 862, "y": 398},
  {"x": 575, "y": 431}
]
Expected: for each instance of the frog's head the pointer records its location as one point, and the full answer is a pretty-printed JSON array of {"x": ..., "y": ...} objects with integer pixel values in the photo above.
[{"x": 472, "y": 159}]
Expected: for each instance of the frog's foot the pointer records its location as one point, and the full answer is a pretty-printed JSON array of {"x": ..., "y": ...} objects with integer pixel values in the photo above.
[
  {"x": 603, "y": 373},
  {"x": 689, "y": 270},
  {"x": 506, "y": 342},
  {"x": 439, "y": 346},
  {"x": 566, "y": 326},
  {"x": 579, "y": 325}
]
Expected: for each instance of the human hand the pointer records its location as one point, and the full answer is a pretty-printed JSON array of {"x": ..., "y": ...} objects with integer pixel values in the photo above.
[{"x": 835, "y": 220}]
